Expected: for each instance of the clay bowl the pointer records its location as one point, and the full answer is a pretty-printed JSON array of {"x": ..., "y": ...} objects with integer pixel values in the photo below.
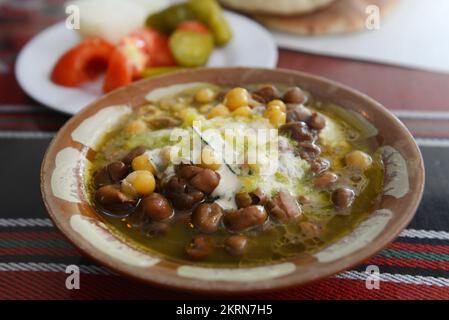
[{"x": 64, "y": 194}]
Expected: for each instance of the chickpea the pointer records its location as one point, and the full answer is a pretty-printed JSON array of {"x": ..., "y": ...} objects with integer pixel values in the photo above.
[
  {"x": 142, "y": 182},
  {"x": 276, "y": 117},
  {"x": 237, "y": 97},
  {"x": 277, "y": 104},
  {"x": 177, "y": 107},
  {"x": 204, "y": 95},
  {"x": 190, "y": 116},
  {"x": 166, "y": 103},
  {"x": 208, "y": 160},
  {"x": 135, "y": 127},
  {"x": 205, "y": 108},
  {"x": 359, "y": 160},
  {"x": 242, "y": 112},
  {"x": 218, "y": 111},
  {"x": 142, "y": 162}
]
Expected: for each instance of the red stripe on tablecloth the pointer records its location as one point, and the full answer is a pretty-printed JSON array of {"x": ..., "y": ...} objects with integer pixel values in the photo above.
[
  {"x": 26, "y": 251},
  {"x": 42, "y": 285},
  {"x": 419, "y": 247},
  {"x": 409, "y": 263},
  {"x": 333, "y": 288},
  {"x": 31, "y": 235}
]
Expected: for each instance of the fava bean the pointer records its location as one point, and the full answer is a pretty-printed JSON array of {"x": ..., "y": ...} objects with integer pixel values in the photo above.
[
  {"x": 200, "y": 247},
  {"x": 112, "y": 199},
  {"x": 236, "y": 245},
  {"x": 325, "y": 180},
  {"x": 294, "y": 95},
  {"x": 343, "y": 197},
  {"x": 245, "y": 218},
  {"x": 207, "y": 217},
  {"x": 206, "y": 180},
  {"x": 156, "y": 207}
]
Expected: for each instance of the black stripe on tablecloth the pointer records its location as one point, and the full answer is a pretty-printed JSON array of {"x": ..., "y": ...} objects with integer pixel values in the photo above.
[
  {"x": 432, "y": 241},
  {"x": 27, "y": 229},
  {"x": 433, "y": 212},
  {"x": 437, "y": 273}
]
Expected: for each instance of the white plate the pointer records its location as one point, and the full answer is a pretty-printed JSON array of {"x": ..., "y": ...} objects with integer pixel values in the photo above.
[{"x": 251, "y": 46}]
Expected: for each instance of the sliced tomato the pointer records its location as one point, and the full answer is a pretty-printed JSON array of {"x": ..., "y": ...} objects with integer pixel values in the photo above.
[
  {"x": 82, "y": 63},
  {"x": 119, "y": 73},
  {"x": 193, "y": 26},
  {"x": 128, "y": 61},
  {"x": 155, "y": 45},
  {"x": 159, "y": 51},
  {"x": 141, "y": 49}
]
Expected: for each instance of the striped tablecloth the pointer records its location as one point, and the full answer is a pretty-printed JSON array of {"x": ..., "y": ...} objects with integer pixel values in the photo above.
[{"x": 34, "y": 254}]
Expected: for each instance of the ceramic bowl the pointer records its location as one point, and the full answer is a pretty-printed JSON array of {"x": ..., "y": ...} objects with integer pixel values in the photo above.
[{"x": 64, "y": 193}]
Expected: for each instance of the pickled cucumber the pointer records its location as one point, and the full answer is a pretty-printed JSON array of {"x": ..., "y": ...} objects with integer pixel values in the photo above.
[
  {"x": 210, "y": 13},
  {"x": 190, "y": 48},
  {"x": 166, "y": 20}
]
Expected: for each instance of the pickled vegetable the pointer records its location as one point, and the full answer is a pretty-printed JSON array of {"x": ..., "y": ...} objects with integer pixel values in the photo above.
[
  {"x": 190, "y": 48},
  {"x": 167, "y": 20},
  {"x": 210, "y": 13}
]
